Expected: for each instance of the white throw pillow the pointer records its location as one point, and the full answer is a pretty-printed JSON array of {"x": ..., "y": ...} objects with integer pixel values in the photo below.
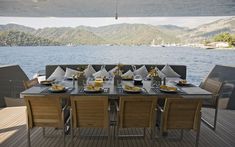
[
  {"x": 129, "y": 73},
  {"x": 169, "y": 72},
  {"x": 58, "y": 74},
  {"x": 141, "y": 71},
  {"x": 89, "y": 71},
  {"x": 70, "y": 72},
  {"x": 160, "y": 73},
  {"x": 101, "y": 73}
]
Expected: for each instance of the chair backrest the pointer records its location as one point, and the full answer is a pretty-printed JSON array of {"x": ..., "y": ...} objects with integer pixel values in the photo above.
[
  {"x": 30, "y": 83},
  {"x": 90, "y": 111},
  {"x": 44, "y": 111},
  {"x": 137, "y": 111},
  {"x": 212, "y": 86},
  {"x": 181, "y": 113}
]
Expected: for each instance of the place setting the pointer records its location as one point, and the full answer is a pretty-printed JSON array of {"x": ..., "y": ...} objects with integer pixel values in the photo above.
[
  {"x": 57, "y": 87},
  {"x": 131, "y": 89},
  {"x": 183, "y": 83},
  {"x": 47, "y": 82},
  {"x": 170, "y": 89},
  {"x": 93, "y": 87}
]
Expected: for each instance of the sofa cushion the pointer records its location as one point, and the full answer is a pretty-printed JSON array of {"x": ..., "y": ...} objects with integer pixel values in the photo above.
[
  {"x": 58, "y": 74},
  {"x": 89, "y": 71},
  {"x": 129, "y": 73},
  {"x": 69, "y": 73},
  {"x": 169, "y": 72},
  {"x": 101, "y": 73},
  {"x": 160, "y": 73},
  {"x": 142, "y": 71}
]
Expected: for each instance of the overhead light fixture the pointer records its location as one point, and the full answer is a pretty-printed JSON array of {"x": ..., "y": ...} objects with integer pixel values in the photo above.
[{"x": 116, "y": 14}]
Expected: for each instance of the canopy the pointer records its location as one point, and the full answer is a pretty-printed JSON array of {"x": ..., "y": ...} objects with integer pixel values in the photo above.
[{"x": 109, "y": 8}]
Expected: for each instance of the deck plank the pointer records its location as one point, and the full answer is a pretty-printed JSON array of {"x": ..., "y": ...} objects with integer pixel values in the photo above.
[{"x": 13, "y": 133}]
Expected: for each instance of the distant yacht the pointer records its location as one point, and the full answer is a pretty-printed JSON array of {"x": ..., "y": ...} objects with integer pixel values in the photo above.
[{"x": 70, "y": 44}]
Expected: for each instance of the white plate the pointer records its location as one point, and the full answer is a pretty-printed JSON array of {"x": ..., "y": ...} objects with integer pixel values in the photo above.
[
  {"x": 132, "y": 91},
  {"x": 127, "y": 79},
  {"x": 93, "y": 91},
  {"x": 46, "y": 82},
  {"x": 57, "y": 91},
  {"x": 71, "y": 78},
  {"x": 181, "y": 84},
  {"x": 168, "y": 91}
]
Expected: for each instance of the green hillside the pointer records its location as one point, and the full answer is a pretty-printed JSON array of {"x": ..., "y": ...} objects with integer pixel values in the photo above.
[
  {"x": 17, "y": 38},
  {"x": 119, "y": 34},
  {"x": 70, "y": 35},
  {"x": 133, "y": 34}
]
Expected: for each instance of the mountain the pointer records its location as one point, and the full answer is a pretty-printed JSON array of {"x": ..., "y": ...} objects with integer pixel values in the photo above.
[
  {"x": 16, "y": 27},
  {"x": 67, "y": 35},
  {"x": 173, "y": 30},
  {"x": 127, "y": 34},
  {"x": 132, "y": 34},
  {"x": 122, "y": 34},
  {"x": 17, "y": 38},
  {"x": 208, "y": 31}
]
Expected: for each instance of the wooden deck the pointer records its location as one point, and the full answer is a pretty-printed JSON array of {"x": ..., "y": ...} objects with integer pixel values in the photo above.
[{"x": 13, "y": 133}]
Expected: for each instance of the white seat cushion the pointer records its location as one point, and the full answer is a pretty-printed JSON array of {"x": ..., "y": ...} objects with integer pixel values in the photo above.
[
  {"x": 169, "y": 72},
  {"x": 58, "y": 74},
  {"x": 70, "y": 73},
  {"x": 89, "y": 71},
  {"x": 142, "y": 71}
]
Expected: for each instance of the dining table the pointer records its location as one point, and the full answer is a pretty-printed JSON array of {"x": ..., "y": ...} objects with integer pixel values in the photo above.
[{"x": 114, "y": 91}]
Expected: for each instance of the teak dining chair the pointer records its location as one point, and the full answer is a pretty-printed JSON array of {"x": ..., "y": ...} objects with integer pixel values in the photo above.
[
  {"x": 30, "y": 83},
  {"x": 89, "y": 112},
  {"x": 136, "y": 112},
  {"x": 181, "y": 113},
  {"x": 46, "y": 111},
  {"x": 214, "y": 87}
]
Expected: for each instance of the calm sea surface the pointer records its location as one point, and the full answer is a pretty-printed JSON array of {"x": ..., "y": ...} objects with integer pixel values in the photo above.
[{"x": 199, "y": 61}]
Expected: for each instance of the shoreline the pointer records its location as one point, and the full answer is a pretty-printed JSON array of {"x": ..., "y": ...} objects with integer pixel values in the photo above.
[{"x": 182, "y": 46}]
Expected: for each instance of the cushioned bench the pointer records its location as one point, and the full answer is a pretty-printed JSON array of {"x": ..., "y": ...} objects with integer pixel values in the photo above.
[{"x": 180, "y": 69}]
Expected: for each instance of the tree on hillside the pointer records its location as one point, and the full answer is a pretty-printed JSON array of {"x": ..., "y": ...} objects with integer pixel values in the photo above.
[
  {"x": 17, "y": 38},
  {"x": 225, "y": 37}
]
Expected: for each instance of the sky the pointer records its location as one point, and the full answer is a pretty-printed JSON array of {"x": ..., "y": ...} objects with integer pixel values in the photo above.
[{"x": 42, "y": 22}]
